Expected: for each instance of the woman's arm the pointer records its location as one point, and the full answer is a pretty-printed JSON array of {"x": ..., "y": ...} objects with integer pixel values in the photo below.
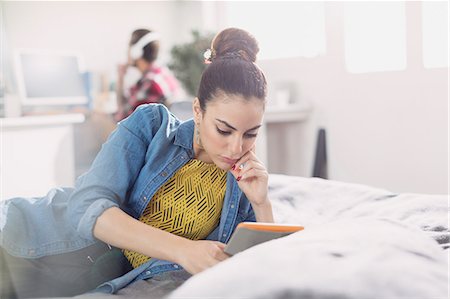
[
  {"x": 113, "y": 172},
  {"x": 94, "y": 211},
  {"x": 117, "y": 228},
  {"x": 263, "y": 212}
]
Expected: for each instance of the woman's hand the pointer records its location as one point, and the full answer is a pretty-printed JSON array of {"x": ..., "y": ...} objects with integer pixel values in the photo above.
[
  {"x": 253, "y": 180},
  {"x": 252, "y": 177},
  {"x": 193, "y": 256},
  {"x": 200, "y": 255}
]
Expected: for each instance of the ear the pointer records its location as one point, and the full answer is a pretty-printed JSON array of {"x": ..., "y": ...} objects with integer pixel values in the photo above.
[{"x": 198, "y": 113}]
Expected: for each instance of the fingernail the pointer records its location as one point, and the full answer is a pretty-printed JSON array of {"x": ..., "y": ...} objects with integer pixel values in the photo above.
[
  {"x": 239, "y": 178},
  {"x": 233, "y": 167}
]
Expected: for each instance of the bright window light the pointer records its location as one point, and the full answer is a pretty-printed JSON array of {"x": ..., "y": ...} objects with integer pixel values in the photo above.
[
  {"x": 435, "y": 34},
  {"x": 375, "y": 36},
  {"x": 283, "y": 29}
]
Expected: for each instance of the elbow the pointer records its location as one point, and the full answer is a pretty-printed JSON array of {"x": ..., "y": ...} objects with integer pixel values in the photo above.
[{"x": 84, "y": 217}]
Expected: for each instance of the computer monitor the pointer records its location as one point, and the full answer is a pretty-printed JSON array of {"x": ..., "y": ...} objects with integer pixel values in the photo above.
[{"x": 49, "y": 78}]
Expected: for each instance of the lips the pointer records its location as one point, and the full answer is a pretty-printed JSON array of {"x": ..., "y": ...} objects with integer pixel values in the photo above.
[{"x": 229, "y": 161}]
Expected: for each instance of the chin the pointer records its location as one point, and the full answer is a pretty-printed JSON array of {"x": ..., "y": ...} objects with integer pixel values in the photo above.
[{"x": 222, "y": 165}]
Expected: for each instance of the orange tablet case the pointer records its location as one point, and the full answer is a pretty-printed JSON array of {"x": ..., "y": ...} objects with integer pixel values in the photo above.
[{"x": 248, "y": 234}]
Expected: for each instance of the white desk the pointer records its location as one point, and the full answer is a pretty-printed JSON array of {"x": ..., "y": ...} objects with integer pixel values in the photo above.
[
  {"x": 37, "y": 154},
  {"x": 283, "y": 114}
]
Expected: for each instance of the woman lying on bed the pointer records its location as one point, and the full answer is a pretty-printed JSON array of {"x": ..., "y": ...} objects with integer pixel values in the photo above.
[{"x": 167, "y": 193}]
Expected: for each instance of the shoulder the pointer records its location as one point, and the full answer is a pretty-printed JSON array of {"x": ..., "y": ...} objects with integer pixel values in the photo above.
[
  {"x": 163, "y": 71},
  {"x": 147, "y": 119},
  {"x": 145, "y": 113}
]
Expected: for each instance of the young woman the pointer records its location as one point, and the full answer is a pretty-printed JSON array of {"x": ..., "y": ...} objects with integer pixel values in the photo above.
[{"x": 167, "y": 193}]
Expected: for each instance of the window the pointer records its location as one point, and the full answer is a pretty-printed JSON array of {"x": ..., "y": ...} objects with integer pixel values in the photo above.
[
  {"x": 435, "y": 34},
  {"x": 283, "y": 29},
  {"x": 375, "y": 36}
]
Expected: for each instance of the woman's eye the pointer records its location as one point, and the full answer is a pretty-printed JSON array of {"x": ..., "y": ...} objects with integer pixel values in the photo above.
[
  {"x": 223, "y": 132},
  {"x": 250, "y": 135}
]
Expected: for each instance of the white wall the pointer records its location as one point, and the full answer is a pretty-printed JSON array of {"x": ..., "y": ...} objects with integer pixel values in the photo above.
[
  {"x": 385, "y": 129},
  {"x": 98, "y": 30}
]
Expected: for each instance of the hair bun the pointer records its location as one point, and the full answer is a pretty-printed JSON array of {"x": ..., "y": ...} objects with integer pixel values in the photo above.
[{"x": 235, "y": 43}]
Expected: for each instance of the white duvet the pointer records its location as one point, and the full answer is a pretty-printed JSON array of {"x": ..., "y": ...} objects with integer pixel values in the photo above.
[{"x": 359, "y": 242}]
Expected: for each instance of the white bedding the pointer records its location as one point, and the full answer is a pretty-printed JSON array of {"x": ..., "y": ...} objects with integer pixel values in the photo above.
[
  {"x": 312, "y": 201},
  {"x": 359, "y": 242}
]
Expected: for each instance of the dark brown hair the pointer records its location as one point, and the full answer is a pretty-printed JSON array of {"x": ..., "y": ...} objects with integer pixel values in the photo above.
[
  {"x": 150, "y": 50},
  {"x": 233, "y": 69}
]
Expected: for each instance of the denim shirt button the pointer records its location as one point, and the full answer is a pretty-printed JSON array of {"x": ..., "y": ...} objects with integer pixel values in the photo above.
[
  {"x": 164, "y": 174},
  {"x": 176, "y": 266},
  {"x": 224, "y": 235},
  {"x": 148, "y": 272},
  {"x": 232, "y": 206}
]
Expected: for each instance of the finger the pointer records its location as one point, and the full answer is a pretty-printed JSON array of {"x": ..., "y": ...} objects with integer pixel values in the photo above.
[
  {"x": 240, "y": 164},
  {"x": 252, "y": 157},
  {"x": 220, "y": 244},
  {"x": 221, "y": 256},
  {"x": 249, "y": 165},
  {"x": 253, "y": 173}
]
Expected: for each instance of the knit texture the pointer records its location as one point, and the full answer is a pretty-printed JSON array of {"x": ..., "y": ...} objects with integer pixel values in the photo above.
[{"x": 188, "y": 205}]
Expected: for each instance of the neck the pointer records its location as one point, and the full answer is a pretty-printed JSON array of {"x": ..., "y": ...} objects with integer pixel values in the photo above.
[{"x": 199, "y": 152}]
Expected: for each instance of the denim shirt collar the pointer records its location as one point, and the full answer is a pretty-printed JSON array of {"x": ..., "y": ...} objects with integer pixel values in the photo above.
[{"x": 184, "y": 136}]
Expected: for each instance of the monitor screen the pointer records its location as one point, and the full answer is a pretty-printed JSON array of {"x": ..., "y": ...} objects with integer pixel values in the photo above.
[{"x": 46, "y": 78}]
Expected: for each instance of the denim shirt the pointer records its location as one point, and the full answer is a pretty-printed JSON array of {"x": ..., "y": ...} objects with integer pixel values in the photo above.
[{"x": 143, "y": 153}]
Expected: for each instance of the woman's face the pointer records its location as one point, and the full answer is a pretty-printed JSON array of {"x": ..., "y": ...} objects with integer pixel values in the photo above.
[{"x": 228, "y": 128}]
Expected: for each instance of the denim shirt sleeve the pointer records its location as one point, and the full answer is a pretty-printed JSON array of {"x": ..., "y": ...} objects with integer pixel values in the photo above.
[
  {"x": 247, "y": 214},
  {"x": 114, "y": 170},
  {"x": 250, "y": 216}
]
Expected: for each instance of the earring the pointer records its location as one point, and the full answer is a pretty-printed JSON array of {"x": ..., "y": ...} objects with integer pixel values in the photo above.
[{"x": 197, "y": 137}]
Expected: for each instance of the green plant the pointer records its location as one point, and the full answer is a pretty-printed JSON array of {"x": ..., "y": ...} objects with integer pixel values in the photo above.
[{"x": 187, "y": 61}]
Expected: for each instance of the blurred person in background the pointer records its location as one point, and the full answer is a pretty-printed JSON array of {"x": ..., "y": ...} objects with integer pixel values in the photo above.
[{"x": 156, "y": 85}]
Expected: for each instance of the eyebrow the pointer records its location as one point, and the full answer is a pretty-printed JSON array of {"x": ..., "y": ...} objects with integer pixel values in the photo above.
[{"x": 233, "y": 128}]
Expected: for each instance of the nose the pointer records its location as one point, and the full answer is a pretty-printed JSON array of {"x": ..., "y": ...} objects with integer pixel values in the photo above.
[{"x": 235, "y": 146}]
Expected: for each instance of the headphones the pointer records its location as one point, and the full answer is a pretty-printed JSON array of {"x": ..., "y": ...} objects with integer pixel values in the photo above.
[{"x": 137, "y": 50}]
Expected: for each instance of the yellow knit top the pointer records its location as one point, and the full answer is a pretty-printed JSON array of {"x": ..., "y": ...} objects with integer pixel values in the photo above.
[{"x": 189, "y": 204}]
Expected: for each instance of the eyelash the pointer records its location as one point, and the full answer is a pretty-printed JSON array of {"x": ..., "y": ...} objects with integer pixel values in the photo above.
[{"x": 225, "y": 133}]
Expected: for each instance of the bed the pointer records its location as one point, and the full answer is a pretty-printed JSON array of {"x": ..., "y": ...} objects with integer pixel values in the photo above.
[{"x": 359, "y": 242}]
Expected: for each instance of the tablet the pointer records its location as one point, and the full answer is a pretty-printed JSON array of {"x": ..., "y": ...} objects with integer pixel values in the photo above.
[{"x": 248, "y": 234}]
